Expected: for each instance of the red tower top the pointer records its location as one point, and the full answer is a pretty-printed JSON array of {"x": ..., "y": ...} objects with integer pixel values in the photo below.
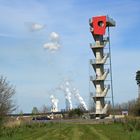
[{"x": 98, "y": 24}]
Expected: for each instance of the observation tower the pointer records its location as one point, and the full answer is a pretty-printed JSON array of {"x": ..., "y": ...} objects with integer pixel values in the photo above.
[{"x": 98, "y": 27}]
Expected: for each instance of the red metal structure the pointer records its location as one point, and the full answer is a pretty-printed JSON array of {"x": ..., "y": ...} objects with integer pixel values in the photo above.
[{"x": 99, "y": 24}]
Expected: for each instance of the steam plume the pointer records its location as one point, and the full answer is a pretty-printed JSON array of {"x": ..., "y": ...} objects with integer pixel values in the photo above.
[
  {"x": 66, "y": 88},
  {"x": 54, "y": 101},
  {"x": 80, "y": 99},
  {"x": 69, "y": 90}
]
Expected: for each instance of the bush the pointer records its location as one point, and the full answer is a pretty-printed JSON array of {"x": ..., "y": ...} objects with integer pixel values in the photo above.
[
  {"x": 75, "y": 113},
  {"x": 131, "y": 124}
]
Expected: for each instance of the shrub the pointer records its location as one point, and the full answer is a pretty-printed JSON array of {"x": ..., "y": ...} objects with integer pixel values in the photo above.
[
  {"x": 131, "y": 124},
  {"x": 75, "y": 113}
]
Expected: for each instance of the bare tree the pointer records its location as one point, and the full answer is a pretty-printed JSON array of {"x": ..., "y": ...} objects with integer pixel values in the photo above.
[
  {"x": 44, "y": 109},
  {"x": 35, "y": 111},
  {"x": 7, "y": 92}
]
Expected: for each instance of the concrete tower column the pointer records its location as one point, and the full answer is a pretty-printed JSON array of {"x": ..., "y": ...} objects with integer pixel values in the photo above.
[{"x": 98, "y": 28}]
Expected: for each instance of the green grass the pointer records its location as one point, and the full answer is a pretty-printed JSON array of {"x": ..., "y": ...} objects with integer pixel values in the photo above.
[{"x": 69, "y": 131}]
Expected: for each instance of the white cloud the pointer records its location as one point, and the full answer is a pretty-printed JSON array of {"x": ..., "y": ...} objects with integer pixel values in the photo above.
[
  {"x": 51, "y": 46},
  {"x": 35, "y": 26},
  {"x": 54, "y": 43},
  {"x": 54, "y": 37}
]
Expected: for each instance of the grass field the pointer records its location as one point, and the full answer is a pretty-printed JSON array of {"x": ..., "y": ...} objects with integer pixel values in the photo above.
[{"x": 69, "y": 131}]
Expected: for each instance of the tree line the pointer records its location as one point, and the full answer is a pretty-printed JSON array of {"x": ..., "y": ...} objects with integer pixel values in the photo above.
[{"x": 7, "y": 104}]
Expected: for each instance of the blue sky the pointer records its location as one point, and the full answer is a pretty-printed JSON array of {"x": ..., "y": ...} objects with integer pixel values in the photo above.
[{"x": 36, "y": 72}]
